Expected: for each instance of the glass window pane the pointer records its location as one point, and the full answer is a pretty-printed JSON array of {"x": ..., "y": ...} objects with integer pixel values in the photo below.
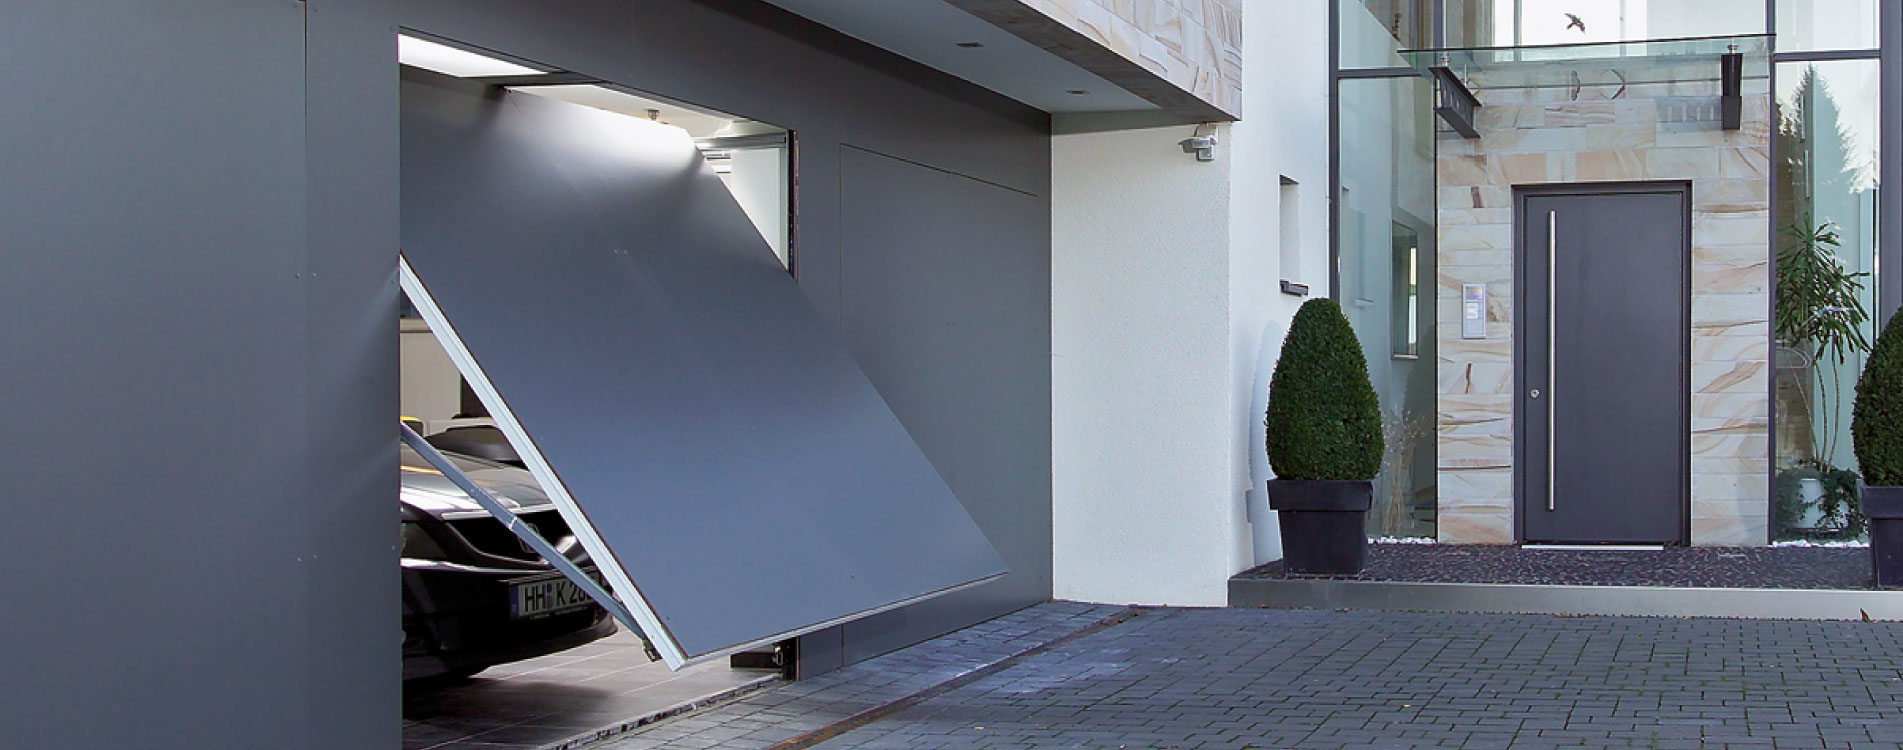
[
  {"x": 1826, "y": 24},
  {"x": 1509, "y": 23},
  {"x": 1826, "y": 241},
  {"x": 1387, "y": 233},
  {"x": 1404, "y": 304},
  {"x": 1374, "y": 31}
]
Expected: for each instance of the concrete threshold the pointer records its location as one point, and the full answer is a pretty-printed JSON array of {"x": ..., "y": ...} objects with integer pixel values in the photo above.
[
  {"x": 1499, "y": 598},
  {"x": 633, "y": 723}
]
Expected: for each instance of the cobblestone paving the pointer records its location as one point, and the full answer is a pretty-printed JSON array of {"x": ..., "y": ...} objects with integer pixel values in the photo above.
[
  {"x": 1307, "y": 679},
  {"x": 1273, "y": 679},
  {"x": 763, "y": 719},
  {"x": 1715, "y": 567}
]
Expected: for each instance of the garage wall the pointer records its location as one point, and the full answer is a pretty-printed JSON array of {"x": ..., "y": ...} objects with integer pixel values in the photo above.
[
  {"x": 198, "y": 365},
  {"x": 941, "y": 279},
  {"x": 949, "y": 319}
]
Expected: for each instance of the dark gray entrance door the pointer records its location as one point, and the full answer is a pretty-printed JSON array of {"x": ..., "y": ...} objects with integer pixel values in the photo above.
[{"x": 1603, "y": 338}]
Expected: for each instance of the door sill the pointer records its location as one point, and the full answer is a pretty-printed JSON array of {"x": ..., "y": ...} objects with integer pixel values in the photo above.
[{"x": 1598, "y": 547}]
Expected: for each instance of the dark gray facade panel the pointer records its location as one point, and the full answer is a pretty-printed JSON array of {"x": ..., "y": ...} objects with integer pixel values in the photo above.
[
  {"x": 756, "y": 60},
  {"x": 171, "y": 585},
  {"x": 940, "y": 274},
  {"x": 748, "y": 58},
  {"x": 675, "y": 379},
  {"x": 351, "y": 169},
  {"x": 1890, "y": 210}
]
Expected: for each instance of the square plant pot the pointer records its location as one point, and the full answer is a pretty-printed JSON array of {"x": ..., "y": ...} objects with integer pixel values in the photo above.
[
  {"x": 1883, "y": 507},
  {"x": 1324, "y": 525}
]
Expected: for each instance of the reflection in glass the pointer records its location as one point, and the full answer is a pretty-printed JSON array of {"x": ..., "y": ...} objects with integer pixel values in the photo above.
[
  {"x": 1406, "y": 299},
  {"x": 1374, "y": 31},
  {"x": 1826, "y": 25},
  {"x": 1387, "y": 203},
  {"x": 1826, "y": 242},
  {"x": 1509, "y": 23}
]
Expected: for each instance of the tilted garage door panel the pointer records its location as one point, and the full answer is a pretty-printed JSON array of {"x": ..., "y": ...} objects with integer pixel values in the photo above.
[{"x": 674, "y": 378}]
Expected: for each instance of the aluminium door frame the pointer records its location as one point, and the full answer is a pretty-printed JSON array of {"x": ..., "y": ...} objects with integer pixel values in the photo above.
[{"x": 1681, "y": 188}]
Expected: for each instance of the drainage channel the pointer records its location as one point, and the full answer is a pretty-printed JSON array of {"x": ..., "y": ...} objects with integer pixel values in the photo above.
[
  {"x": 812, "y": 711},
  {"x": 871, "y": 715}
]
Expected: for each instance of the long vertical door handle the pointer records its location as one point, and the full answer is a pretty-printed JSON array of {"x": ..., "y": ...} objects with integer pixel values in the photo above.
[{"x": 1552, "y": 349}]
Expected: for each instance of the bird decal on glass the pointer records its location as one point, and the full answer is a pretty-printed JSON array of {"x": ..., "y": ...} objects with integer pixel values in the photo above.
[{"x": 1576, "y": 24}]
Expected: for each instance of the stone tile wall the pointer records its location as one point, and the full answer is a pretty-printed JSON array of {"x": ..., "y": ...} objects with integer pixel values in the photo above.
[
  {"x": 1183, "y": 55},
  {"x": 1594, "y": 134}
]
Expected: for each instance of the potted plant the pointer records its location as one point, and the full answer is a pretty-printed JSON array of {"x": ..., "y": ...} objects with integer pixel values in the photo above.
[
  {"x": 1820, "y": 315},
  {"x": 1876, "y": 433},
  {"x": 1324, "y": 443}
]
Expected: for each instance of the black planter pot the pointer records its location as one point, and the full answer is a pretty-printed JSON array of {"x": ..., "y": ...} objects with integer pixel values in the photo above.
[
  {"x": 1324, "y": 525},
  {"x": 1883, "y": 507}
]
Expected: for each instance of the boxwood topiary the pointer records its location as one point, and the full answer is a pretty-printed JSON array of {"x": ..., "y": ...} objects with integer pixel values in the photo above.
[
  {"x": 1876, "y": 421},
  {"x": 1324, "y": 420}
]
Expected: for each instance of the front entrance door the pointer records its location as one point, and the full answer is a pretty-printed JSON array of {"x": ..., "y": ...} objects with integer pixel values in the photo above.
[{"x": 1602, "y": 354}]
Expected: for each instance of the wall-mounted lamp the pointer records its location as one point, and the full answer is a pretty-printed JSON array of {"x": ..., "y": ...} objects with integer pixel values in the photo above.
[{"x": 1201, "y": 143}]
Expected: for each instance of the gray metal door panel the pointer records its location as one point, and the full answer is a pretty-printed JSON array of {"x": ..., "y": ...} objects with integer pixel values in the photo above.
[
  {"x": 671, "y": 382},
  {"x": 1603, "y": 341},
  {"x": 940, "y": 309}
]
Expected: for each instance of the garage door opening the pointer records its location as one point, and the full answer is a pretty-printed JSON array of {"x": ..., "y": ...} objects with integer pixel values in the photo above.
[
  {"x": 604, "y": 332},
  {"x": 493, "y": 653}
]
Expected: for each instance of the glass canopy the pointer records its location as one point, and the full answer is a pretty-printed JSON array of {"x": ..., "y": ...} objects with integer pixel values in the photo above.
[{"x": 1606, "y": 64}]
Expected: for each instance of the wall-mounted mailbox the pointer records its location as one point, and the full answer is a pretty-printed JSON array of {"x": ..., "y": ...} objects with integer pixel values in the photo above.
[
  {"x": 1473, "y": 311},
  {"x": 1731, "y": 89}
]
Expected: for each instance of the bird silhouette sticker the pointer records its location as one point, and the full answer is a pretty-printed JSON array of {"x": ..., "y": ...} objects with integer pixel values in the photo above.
[{"x": 1576, "y": 24}]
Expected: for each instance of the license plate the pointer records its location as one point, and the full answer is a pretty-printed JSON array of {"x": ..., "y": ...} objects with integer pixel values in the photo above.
[{"x": 548, "y": 595}]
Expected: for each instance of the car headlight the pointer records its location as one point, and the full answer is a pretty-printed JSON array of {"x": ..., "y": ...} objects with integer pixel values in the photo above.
[{"x": 417, "y": 543}]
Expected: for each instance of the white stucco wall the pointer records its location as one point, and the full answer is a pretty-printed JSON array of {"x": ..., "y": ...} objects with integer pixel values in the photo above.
[
  {"x": 1288, "y": 136},
  {"x": 1166, "y": 317},
  {"x": 1139, "y": 370}
]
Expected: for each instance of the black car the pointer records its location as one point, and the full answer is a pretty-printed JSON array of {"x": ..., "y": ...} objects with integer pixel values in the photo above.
[{"x": 474, "y": 595}]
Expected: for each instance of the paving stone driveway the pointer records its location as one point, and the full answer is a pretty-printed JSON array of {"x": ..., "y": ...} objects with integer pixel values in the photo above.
[{"x": 1275, "y": 679}]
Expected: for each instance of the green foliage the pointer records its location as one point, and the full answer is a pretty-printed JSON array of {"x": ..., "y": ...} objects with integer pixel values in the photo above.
[
  {"x": 1876, "y": 420},
  {"x": 1324, "y": 420},
  {"x": 1820, "y": 307},
  {"x": 1840, "y": 505},
  {"x": 1819, "y": 302}
]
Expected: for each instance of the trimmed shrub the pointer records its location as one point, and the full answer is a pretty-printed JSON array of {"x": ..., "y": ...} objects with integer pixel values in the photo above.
[
  {"x": 1324, "y": 420},
  {"x": 1876, "y": 421}
]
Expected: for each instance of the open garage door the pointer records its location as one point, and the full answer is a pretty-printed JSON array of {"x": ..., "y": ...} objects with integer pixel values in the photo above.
[{"x": 715, "y": 448}]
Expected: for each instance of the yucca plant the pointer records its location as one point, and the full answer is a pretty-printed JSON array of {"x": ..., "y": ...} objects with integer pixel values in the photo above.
[{"x": 1820, "y": 310}]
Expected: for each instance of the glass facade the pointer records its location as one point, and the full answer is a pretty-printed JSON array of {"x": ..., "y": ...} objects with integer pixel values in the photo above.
[
  {"x": 1805, "y": 25},
  {"x": 1387, "y": 243},
  {"x": 1373, "y": 32},
  {"x": 1824, "y": 221},
  {"x": 1826, "y": 242},
  {"x": 1371, "y": 28}
]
